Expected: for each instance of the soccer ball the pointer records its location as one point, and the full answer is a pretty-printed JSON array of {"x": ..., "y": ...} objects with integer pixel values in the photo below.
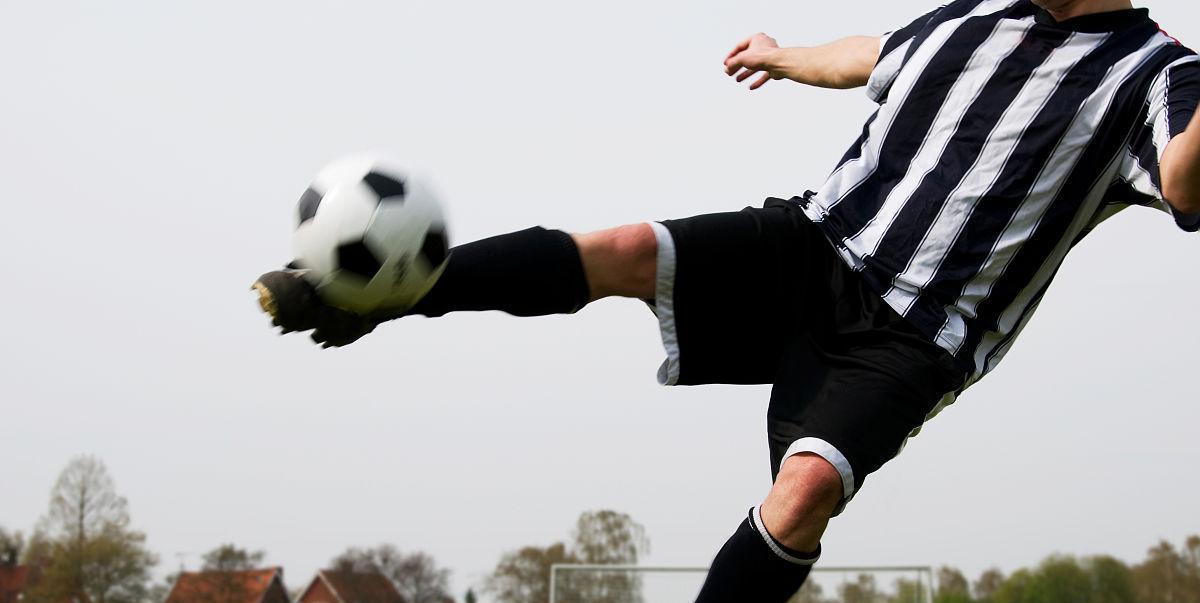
[{"x": 369, "y": 235}]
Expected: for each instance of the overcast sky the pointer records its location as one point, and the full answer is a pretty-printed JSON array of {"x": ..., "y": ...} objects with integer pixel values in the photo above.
[{"x": 152, "y": 153}]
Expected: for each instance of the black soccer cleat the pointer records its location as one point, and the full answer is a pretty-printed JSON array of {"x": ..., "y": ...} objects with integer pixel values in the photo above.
[{"x": 295, "y": 306}]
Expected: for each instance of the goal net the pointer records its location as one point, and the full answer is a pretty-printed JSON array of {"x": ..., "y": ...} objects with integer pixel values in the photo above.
[{"x": 589, "y": 583}]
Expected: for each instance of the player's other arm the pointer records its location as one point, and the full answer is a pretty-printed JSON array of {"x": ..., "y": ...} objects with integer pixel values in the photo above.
[
  {"x": 846, "y": 63},
  {"x": 1180, "y": 169}
]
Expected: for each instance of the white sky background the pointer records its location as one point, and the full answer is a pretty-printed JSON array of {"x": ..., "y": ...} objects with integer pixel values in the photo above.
[{"x": 151, "y": 154}]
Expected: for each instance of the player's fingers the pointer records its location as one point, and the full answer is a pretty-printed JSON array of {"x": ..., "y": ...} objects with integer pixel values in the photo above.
[
  {"x": 744, "y": 44},
  {"x": 766, "y": 77},
  {"x": 743, "y": 76},
  {"x": 732, "y": 66}
]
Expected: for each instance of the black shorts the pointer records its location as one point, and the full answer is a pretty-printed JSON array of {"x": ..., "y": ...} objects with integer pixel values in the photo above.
[{"x": 760, "y": 296}]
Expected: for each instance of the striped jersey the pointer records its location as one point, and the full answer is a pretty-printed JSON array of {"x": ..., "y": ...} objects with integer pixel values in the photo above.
[{"x": 1002, "y": 138}]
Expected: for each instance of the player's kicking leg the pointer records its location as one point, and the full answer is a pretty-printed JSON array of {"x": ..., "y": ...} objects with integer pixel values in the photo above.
[
  {"x": 741, "y": 298},
  {"x": 532, "y": 272}
]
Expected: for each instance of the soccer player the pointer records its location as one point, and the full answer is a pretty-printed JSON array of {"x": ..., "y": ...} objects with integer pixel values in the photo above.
[{"x": 1006, "y": 131}]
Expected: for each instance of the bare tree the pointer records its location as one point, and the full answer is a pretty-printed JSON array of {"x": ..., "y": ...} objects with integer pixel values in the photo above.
[
  {"x": 600, "y": 537},
  {"x": 608, "y": 538},
  {"x": 1169, "y": 575},
  {"x": 416, "y": 575},
  {"x": 91, "y": 548},
  {"x": 523, "y": 576}
]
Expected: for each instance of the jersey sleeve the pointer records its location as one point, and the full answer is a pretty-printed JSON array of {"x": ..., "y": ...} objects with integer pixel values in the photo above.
[
  {"x": 893, "y": 50},
  {"x": 1172, "y": 102}
]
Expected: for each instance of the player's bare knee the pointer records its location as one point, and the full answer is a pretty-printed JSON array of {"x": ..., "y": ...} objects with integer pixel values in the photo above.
[
  {"x": 620, "y": 261},
  {"x": 804, "y": 497},
  {"x": 810, "y": 483}
]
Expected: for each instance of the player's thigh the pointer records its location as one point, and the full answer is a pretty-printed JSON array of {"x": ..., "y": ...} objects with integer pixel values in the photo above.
[
  {"x": 731, "y": 290},
  {"x": 855, "y": 406},
  {"x": 619, "y": 261}
]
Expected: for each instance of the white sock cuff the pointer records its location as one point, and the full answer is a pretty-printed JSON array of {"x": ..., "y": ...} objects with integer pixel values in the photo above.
[{"x": 776, "y": 547}]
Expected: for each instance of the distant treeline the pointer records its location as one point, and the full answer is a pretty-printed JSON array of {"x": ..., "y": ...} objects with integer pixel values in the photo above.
[
  {"x": 85, "y": 549},
  {"x": 1167, "y": 575}
]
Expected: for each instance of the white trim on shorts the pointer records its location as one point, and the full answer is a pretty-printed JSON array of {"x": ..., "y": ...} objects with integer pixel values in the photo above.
[
  {"x": 664, "y": 303},
  {"x": 828, "y": 452}
]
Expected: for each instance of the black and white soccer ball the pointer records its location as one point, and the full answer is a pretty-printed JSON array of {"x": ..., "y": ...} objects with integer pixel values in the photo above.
[{"x": 370, "y": 235}]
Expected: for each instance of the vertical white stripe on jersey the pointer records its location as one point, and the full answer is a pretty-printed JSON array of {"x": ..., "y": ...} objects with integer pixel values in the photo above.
[
  {"x": 887, "y": 69},
  {"x": 995, "y": 344},
  {"x": 979, "y": 70},
  {"x": 850, "y": 175},
  {"x": 1161, "y": 126},
  {"x": 1046, "y": 189},
  {"x": 995, "y": 155}
]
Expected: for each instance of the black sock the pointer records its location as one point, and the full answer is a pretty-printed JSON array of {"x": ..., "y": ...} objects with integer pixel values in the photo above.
[
  {"x": 753, "y": 567},
  {"x": 532, "y": 272}
]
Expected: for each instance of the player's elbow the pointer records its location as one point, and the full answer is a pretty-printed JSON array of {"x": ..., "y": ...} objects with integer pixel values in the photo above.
[
  {"x": 1179, "y": 171},
  {"x": 1183, "y": 198},
  {"x": 859, "y": 62},
  {"x": 1190, "y": 207}
]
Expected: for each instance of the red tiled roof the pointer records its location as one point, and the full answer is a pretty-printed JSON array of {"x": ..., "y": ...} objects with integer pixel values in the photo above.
[
  {"x": 353, "y": 587},
  {"x": 12, "y": 582},
  {"x": 249, "y": 586},
  {"x": 16, "y": 580}
]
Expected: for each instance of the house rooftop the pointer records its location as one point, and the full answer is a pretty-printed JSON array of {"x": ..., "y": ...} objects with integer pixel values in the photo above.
[
  {"x": 356, "y": 587},
  {"x": 248, "y": 586}
]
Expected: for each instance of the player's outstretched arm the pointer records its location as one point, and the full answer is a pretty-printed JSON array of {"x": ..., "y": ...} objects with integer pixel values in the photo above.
[
  {"x": 846, "y": 63},
  {"x": 1180, "y": 169}
]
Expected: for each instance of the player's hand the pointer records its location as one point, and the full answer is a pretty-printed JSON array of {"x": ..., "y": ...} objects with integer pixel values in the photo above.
[
  {"x": 757, "y": 54},
  {"x": 295, "y": 306}
]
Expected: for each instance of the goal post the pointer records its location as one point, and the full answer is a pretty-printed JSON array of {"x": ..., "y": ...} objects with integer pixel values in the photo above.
[{"x": 590, "y": 583}]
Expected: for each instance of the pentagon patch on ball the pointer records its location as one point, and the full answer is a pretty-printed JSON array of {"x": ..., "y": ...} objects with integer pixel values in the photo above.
[
  {"x": 385, "y": 187},
  {"x": 307, "y": 207},
  {"x": 358, "y": 259},
  {"x": 371, "y": 236},
  {"x": 435, "y": 248}
]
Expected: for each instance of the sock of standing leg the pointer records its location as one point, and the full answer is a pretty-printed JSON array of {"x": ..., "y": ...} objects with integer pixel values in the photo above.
[
  {"x": 532, "y": 272},
  {"x": 753, "y": 566}
]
